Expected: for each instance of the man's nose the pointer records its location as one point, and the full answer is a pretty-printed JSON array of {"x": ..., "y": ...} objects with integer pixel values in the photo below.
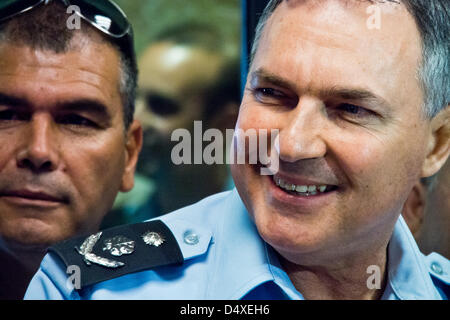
[
  {"x": 302, "y": 136},
  {"x": 38, "y": 151}
]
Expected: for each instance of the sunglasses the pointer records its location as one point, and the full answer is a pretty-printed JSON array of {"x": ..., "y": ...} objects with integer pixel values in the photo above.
[{"x": 104, "y": 15}]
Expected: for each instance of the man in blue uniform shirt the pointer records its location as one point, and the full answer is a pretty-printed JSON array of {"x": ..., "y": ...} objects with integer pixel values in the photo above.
[
  {"x": 359, "y": 93},
  {"x": 68, "y": 141}
]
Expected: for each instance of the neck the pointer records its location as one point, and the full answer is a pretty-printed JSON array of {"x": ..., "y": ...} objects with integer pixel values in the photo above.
[
  {"x": 350, "y": 279},
  {"x": 18, "y": 265}
]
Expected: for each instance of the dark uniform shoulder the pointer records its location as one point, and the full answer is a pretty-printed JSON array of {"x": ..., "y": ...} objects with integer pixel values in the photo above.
[
  {"x": 439, "y": 269},
  {"x": 119, "y": 251}
]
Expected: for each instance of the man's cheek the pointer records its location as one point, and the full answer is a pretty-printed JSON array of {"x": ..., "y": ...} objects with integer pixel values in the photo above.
[
  {"x": 357, "y": 157},
  {"x": 93, "y": 171}
]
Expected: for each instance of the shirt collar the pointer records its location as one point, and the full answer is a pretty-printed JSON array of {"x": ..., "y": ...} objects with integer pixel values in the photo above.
[{"x": 243, "y": 261}]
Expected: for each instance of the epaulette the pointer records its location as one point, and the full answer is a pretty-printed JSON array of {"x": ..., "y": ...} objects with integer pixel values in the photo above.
[{"x": 119, "y": 251}]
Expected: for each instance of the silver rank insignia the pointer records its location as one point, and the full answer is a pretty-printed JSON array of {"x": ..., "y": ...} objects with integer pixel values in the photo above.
[
  {"x": 122, "y": 250},
  {"x": 118, "y": 246},
  {"x": 86, "y": 251},
  {"x": 153, "y": 238}
]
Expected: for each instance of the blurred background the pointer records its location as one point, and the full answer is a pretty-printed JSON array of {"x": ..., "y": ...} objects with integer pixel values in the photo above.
[
  {"x": 150, "y": 18},
  {"x": 189, "y": 57}
]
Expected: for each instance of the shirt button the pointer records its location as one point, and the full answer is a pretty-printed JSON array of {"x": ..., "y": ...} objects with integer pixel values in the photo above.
[
  {"x": 436, "y": 268},
  {"x": 191, "y": 238}
]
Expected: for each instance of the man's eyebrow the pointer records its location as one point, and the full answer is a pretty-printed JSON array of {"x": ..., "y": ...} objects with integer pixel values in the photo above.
[
  {"x": 84, "y": 105},
  {"x": 356, "y": 94},
  {"x": 262, "y": 75},
  {"x": 92, "y": 106},
  {"x": 12, "y": 101}
]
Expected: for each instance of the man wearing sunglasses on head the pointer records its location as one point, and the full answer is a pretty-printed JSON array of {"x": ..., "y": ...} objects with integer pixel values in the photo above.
[{"x": 68, "y": 141}]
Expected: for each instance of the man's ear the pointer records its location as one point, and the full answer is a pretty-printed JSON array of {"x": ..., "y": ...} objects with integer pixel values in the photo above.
[
  {"x": 133, "y": 148},
  {"x": 414, "y": 209},
  {"x": 438, "y": 143}
]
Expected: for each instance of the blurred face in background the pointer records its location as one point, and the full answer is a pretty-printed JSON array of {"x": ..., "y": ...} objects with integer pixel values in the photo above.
[{"x": 172, "y": 86}]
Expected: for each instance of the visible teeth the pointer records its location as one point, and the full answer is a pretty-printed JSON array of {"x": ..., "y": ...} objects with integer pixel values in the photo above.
[
  {"x": 301, "y": 189},
  {"x": 305, "y": 190}
]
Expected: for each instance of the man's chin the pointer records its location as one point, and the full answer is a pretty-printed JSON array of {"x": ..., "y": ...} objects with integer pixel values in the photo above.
[
  {"x": 294, "y": 234},
  {"x": 293, "y": 243},
  {"x": 33, "y": 236},
  {"x": 18, "y": 245}
]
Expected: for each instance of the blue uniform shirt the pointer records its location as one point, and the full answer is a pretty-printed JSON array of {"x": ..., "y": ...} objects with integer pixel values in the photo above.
[{"x": 225, "y": 258}]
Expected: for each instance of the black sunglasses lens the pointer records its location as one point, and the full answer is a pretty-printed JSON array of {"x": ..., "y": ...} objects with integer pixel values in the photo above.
[
  {"x": 10, "y": 8},
  {"x": 104, "y": 14}
]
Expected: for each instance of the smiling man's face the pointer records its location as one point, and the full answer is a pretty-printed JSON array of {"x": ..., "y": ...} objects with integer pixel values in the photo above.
[
  {"x": 353, "y": 138},
  {"x": 63, "y": 151}
]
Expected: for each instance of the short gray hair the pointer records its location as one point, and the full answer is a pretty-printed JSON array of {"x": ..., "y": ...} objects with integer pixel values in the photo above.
[
  {"x": 432, "y": 19},
  {"x": 45, "y": 28}
]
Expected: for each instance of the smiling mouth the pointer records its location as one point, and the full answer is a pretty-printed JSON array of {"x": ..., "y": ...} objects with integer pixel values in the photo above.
[{"x": 303, "y": 190}]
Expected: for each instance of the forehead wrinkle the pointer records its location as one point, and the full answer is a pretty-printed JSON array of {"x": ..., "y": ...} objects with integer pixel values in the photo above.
[
  {"x": 47, "y": 59},
  {"x": 325, "y": 38},
  {"x": 101, "y": 94},
  {"x": 57, "y": 75}
]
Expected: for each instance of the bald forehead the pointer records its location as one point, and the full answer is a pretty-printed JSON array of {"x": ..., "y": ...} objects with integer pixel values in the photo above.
[{"x": 174, "y": 68}]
